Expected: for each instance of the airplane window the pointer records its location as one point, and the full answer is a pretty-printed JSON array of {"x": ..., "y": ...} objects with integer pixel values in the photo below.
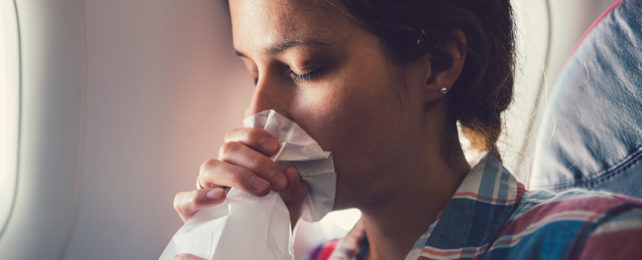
[{"x": 9, "y": 108}]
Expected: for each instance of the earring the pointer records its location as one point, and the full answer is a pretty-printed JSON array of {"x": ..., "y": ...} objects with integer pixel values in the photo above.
[
  {"x": 443, "y": 91},
  {"x": 422, "y": 36}
]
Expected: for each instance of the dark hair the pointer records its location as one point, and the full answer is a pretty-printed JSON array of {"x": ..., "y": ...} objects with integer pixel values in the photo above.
[{"x": 485, "y": 86}]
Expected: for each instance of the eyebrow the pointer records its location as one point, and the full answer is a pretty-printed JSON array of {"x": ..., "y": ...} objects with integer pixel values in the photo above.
[{"x": 282, "y": 46}]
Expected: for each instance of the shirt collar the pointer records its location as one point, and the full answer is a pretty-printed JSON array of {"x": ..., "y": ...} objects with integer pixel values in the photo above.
[{"x": 484, "y": 201}]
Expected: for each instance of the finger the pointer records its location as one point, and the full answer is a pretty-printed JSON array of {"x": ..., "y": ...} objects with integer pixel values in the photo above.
[
  {"x": 187, "y": 257},
  {"x": 208, "y": 183},
  {"x": 239, "y": 154},
  {"x": 187, "y": 203},
  {"x": 215, "y": 172},
  {"x": 256, "y": 138},
  {"x": 294, "y": 194},
  {"x": 296, "y": 191}
]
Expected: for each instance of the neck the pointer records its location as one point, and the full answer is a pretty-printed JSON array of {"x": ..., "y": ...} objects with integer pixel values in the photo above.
[{"x": 394, "y": 224}]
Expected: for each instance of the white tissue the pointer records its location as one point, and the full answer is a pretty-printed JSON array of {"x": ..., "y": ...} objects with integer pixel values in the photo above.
[{"x": 249, "y": 227}]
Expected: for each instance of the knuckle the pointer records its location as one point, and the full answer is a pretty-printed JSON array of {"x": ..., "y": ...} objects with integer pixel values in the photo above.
[
  {"x": 230, "y": 135},
  {"x": 265, "y": 166},
  {"x": 256, "y": 164},
  {"x": 207, "y": 165},
  {"x": 179, "y": 203},
  {"x": 195, "y": 200},
  {"x": 256, "y": 136},
  {"x": 229, "y": 148}
]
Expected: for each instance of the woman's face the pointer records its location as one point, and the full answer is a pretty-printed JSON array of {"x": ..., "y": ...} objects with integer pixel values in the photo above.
[{"x": 317, "y": 67}]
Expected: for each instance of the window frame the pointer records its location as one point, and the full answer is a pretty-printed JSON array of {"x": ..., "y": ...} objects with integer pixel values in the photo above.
[{"x": 10, "y": 71}]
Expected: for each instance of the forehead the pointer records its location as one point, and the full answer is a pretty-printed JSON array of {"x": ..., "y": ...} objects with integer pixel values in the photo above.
[{"x": 258, "y": 24}]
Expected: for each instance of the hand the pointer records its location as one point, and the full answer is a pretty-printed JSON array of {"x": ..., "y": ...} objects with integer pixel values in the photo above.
[{"x": 243, "y": 163}]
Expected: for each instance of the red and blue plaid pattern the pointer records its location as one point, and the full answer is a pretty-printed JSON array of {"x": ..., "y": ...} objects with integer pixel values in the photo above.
[{"x": 492, "y": 216}]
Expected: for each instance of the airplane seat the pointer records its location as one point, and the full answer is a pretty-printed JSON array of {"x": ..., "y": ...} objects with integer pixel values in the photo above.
[{"x": 591, "y": 130}]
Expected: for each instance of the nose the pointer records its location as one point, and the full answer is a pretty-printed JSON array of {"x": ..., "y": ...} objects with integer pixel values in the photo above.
[{"x": 269, "y": 95}]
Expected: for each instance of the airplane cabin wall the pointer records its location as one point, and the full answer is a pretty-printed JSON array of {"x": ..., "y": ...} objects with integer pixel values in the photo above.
[{"x": 163, "y": 87}]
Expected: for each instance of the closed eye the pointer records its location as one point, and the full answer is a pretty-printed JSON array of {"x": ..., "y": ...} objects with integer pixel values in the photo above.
[
  {"x": 298, "y": 78},
  {"x": 308, "y": 76}
]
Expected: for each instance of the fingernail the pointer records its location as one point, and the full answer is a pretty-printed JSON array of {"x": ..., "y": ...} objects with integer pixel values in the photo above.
[
  {"x": 259, "y": 184},
  {"x": 214, "y": 194},
  {"x": 269, "y": 144},
  {"x": 177, "y": 257}
]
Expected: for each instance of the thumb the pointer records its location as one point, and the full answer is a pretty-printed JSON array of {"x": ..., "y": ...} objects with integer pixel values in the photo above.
[
  {"x": 294, "y": 194},
  {"x": 295, "y": 191}
]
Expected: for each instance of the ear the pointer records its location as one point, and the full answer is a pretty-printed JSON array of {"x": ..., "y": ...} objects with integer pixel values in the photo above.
[{"x": 445, "y": 66}]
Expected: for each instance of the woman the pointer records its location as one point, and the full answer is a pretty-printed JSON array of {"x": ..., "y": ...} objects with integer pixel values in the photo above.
[{"x": 383, "y": 84}]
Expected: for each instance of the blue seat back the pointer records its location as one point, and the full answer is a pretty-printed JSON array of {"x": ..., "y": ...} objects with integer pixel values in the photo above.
[{"x": 591, "y": 133}]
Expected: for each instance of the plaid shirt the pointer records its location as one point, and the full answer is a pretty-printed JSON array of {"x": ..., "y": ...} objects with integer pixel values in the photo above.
[{"x": 492, "y": 216}]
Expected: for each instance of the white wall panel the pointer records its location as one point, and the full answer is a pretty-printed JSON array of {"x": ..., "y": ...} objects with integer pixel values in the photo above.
[{"x": 163, "y": 88}]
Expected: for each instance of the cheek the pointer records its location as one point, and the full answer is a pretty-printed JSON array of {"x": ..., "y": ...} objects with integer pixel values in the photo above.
[
  {"x": 357, "y": 119},
  {"x": 343, "y": 116}
]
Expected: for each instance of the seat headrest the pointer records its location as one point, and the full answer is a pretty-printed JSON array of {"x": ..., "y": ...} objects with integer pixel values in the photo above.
[{"x": 591, "y": 131}]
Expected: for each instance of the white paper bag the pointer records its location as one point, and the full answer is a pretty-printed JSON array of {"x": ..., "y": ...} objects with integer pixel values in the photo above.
[{"x": 249, "y": 227}]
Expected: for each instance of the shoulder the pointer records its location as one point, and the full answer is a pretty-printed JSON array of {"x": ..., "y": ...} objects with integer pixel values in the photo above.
[
  {"x": 617, "y": 234},
  {"x": 572, "y": 223},
  {"x": 591, "y": 204}
]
